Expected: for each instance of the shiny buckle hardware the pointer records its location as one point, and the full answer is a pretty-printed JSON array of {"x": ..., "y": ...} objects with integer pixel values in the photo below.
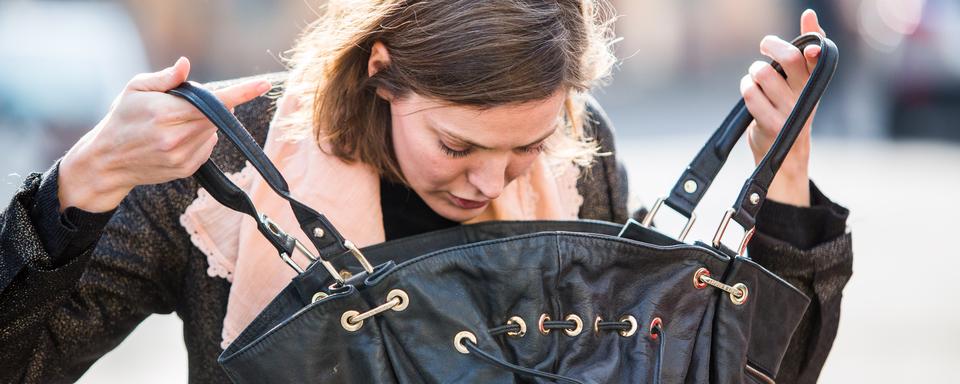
[
  {"x": 359, "y": 256},
  {"x": 648, "y": 219},
  {"x": 276, "y": 230},
  {"x": 718, "y": 236}
]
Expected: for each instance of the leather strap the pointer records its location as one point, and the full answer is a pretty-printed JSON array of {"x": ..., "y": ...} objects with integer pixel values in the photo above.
[
  {"x": 227, "y": 193},
  {"x": 696, "y": 179},
  {"x": 754, "y": 191},
  {"x": 330, "y": 244}
]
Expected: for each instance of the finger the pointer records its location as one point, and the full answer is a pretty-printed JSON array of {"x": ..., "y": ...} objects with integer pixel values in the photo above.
[
  {"x": 789, "y": 57},
  {"x": 809, "y": 22},
  {"x": 200, "y": 153},
  {"x": 811, "y": 54},
  {"x": 773, "y": 85},
  {"x": 161, "y": 81},
  {"x": 235, "y": 95},
  {"x": 757, "y": 103}
]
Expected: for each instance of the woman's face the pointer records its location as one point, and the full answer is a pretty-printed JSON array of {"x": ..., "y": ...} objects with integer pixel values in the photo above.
[{"x": 458, "y": 158}]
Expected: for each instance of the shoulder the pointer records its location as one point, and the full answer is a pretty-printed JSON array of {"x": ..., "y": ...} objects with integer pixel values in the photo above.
[{"x": 603, "y": 185}]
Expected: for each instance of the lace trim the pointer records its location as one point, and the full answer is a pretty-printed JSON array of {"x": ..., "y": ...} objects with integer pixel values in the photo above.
[{"x": 218, "y": 264}]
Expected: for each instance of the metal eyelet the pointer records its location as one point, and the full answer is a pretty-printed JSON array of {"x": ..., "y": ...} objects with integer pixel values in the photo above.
[
  {"x": 742, "y": 297},
  {"x": 633, "y": 325},
  {"x": 655, "y": 323},
  {"x": 318, "y": 296},
  {"x": 346, "y": 321},
  {"x": 697, "y": 283},
  {"x": 543, "y": 318},
  {"x": 579, "y": 325},
  {"x": 397, "y": 300},
  {"x": 458, "y": 341},
  {"x": 398, "y": 294},
  {"x": 518, "y": 321}
]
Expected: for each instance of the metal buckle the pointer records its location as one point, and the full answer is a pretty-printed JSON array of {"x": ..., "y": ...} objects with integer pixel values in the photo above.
[
  {"x": 648, "y": 219},
  {"x": 273, "y": 227},
  {"x": 718, "y": 236},
  {"x": 359, "y": 256}
]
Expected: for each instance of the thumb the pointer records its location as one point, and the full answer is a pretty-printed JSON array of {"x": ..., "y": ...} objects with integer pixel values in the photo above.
[
  {"x": 162, "y": 81},
  {"x": 809, "y": 22}
]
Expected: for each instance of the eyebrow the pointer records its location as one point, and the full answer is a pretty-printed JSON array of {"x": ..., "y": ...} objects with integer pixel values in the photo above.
[{"x": 472, "y": 144}]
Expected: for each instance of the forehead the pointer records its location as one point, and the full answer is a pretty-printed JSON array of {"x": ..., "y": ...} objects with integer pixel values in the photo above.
[{"x": 505, "y": 126}]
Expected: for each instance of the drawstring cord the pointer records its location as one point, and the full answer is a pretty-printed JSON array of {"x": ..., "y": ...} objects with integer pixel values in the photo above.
[{"x": 466, "y": 343}]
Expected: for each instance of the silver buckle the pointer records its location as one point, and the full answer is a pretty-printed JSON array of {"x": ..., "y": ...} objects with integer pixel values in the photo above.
[
  {"x": 648, "y": 219},
  {"x": 718, "y": 236},
  {"x": 299, "y": 246},
  {"x": 273, "y": 227}
]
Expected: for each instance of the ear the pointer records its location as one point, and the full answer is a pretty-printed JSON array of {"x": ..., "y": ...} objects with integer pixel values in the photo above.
[{"x": 379, "y": 59}]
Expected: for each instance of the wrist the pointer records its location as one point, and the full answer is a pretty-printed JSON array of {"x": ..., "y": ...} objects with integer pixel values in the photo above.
[
  {"x": 791, "y": 188},
  {"x": 88, "y": 182}
]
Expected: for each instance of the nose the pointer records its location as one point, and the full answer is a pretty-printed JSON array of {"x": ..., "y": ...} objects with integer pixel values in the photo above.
[{"x": 490, "y": 176}]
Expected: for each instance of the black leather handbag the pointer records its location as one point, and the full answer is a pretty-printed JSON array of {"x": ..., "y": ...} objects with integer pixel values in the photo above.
[{"x": 503, "y": 302}]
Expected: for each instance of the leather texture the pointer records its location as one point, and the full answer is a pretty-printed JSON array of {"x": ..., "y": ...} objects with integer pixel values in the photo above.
[
  {"x": 473, "y": 278},
  {"x": 708, "y": 162},
  {"x": 331, "y": 243}
]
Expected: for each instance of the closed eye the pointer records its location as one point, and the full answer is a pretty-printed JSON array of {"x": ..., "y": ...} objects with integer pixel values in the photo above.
[{"x": 455, "y": 153}]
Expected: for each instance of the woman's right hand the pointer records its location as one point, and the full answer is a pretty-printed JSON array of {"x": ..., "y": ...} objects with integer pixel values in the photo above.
[{"x": 147, "y": 137}]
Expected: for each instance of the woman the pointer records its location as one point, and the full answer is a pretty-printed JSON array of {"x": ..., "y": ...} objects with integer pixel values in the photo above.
[{"x": 396, "y": 118}]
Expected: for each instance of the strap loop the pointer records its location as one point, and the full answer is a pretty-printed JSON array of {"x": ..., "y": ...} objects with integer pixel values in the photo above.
[{"x": 326, "y": 239}]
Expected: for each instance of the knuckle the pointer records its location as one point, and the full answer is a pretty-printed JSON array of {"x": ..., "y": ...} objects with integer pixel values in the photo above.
[
  {"x": 794, "y": 57},
  {"x": 766, "y": 74},
  {"x": 750, "y": 93},
  {"x": 177, "y": 158},
  {"x": 168, "y": 144},
  {"x": 136, "y": 79}
]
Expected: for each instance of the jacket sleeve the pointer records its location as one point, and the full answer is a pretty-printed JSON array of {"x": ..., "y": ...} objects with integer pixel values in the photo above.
[{"x": 58, "y": 315}]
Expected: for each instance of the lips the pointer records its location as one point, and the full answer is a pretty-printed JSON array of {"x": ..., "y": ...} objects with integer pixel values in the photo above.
[{"x": 468, "y": 204}]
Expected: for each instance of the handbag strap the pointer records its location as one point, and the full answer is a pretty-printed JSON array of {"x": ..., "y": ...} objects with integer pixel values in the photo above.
[
  {"x": 321, "y": 232},
  {"x": 700, "y": 173}
]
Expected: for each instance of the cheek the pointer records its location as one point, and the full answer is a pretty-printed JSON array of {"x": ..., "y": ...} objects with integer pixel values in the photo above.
[
  {"x": 519, "y": 165},
  {"x": 422, "y": 162}
]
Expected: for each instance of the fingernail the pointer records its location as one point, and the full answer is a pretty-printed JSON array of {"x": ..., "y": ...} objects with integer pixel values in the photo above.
[{"x": 263, "y": 86}]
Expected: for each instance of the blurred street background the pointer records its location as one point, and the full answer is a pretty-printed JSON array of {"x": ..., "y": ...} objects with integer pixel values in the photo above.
[{"x": 886, "y": 137}]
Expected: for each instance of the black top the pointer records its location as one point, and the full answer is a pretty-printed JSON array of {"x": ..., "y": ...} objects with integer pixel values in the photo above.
[{"x": 406, "y": 214}]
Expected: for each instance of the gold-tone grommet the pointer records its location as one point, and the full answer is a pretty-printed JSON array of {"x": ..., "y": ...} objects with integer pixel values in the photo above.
[
  {"x": 596, "y": 325},
  {"x": 318, "y": 296},
  {"x": 543, "y": 318},
  {"x": 742, "y": 297},
  {"x": 398, "y": 294},
  {"x": 633, "y": 325},
  {"x": 458, "y": 341},
  {"x": 346, "y": 321},
  {"x": 518, "y": 321},
  {"x": 655, "y": 323},
  {"x": 697, "y": 282},
  {"x": 576, "y": 320}
]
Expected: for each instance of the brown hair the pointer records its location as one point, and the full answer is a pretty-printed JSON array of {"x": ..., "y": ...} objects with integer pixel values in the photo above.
[{"x": 479, "y": 53}]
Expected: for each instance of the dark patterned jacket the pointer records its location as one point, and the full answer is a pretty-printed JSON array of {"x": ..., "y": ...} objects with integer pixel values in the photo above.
[{"x": 64, "y": 304}]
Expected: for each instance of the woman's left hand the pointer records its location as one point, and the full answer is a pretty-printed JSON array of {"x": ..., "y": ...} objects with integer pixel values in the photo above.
[{"x": 770, "y": 98}]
